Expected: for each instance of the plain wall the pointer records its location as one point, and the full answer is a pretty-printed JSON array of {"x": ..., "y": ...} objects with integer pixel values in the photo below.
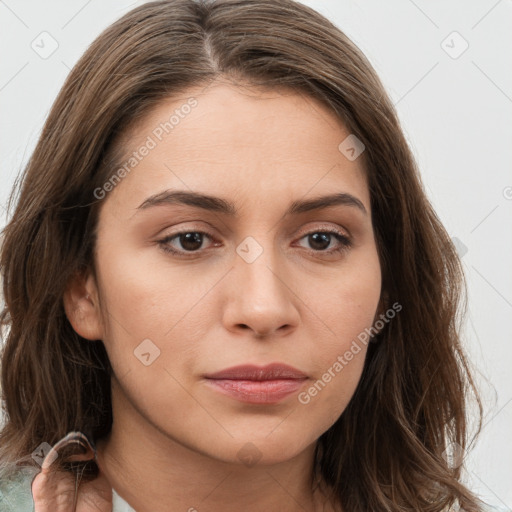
[{"x": 456, "y": 110}]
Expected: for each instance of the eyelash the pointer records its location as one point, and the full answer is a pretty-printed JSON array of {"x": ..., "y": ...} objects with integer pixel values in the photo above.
[{"x": 345, "y": 242}]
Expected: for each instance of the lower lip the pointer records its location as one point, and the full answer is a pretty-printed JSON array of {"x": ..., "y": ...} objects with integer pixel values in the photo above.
[{"x": 257, "y": 392}]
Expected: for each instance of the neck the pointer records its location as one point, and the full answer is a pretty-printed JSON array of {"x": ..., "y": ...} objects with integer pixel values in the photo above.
[{"x": 153, "y": 472}]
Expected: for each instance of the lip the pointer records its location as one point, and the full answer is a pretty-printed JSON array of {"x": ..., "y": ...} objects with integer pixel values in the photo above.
[
  {"x": 258, "y": 373},
  {"x": 258, "y": 384}
]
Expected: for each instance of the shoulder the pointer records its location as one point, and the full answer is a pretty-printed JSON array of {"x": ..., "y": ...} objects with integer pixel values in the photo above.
[{"x": 16, "y": 490}]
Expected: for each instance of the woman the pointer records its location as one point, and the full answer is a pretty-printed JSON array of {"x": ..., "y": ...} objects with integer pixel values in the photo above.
[{"x": 225, "y": 287}]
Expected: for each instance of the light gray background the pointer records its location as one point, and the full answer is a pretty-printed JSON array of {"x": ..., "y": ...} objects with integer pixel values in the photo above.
[{"x": 456, "y": 113}]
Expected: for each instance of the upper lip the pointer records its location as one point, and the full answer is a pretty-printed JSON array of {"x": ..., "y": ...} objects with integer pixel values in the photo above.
[{"x": 274, "y": 371}]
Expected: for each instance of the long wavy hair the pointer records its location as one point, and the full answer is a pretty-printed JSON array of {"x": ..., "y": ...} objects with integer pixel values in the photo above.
[{"x": 389, "y": 449}]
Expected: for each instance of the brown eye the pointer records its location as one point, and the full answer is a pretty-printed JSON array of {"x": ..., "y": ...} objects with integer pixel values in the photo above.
[
  {"x": 320, "y": 241},
  {"x": 184, "y": 242},
  {"x": 190, "y": 241}
]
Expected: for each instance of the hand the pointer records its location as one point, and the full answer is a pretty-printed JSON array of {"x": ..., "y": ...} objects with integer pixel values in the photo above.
[{"x": 54, "y": 490}]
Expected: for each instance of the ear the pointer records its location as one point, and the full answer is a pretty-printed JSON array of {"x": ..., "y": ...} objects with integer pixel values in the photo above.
[{"x": 82, "y": 305}]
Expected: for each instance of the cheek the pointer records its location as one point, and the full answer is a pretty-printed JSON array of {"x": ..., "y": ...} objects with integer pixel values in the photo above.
[
  {"x": 337, "y": 367},
  {"x": 346, "y": 303},
  {"x": 141, "y": 302},
  {"x": 325, "y": 399},
  {"x": 148, "y": 295},
  {"x": 344, "y": 313},
  {"x": 150, "y": 317}
]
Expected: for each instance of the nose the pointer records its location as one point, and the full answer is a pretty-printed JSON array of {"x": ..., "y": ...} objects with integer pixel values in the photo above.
[{"x": 261, "y": 297}]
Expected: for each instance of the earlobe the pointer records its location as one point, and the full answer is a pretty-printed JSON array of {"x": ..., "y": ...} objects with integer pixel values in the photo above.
[{"x": 81, "y": 306}]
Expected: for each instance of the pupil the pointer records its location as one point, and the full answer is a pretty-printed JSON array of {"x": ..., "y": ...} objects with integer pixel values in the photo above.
[
  {"x": 191, "y": 241},
  {"x": 324, "y": 238}
]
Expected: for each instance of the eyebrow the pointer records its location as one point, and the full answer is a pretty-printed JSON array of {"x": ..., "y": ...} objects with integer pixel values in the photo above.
[{"x": 219, "y": 205}]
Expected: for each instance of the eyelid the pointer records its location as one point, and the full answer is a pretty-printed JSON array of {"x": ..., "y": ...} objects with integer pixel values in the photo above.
[
  {"x": 304, "y": 231},
  {"x": 185, "y": 226},
  {"x": 327, "y": 227}
]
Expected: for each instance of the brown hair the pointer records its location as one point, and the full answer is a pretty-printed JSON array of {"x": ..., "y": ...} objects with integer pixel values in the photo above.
[{"x": 388, "y": 449}]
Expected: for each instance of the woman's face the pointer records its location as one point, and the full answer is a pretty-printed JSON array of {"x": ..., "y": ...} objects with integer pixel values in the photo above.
[{"x": 260, "y": 275}]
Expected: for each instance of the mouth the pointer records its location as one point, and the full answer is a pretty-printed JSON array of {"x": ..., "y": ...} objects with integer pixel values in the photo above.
[{"x": 257, "y": 384}]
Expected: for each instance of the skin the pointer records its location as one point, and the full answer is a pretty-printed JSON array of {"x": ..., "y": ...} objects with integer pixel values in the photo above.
[{"x": 176, "y": 443}]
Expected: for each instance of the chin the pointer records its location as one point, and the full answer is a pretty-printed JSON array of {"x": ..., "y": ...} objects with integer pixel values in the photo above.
[{"x": 262, "y": 448}]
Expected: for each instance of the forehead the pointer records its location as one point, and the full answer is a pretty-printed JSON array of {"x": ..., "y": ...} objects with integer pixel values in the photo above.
[{"x": 259, "y": 144}]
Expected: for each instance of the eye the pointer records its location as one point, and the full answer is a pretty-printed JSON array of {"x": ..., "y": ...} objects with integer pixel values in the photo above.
[
  {"x": 320, "y": 240},
  {"x": 190, "y": 242}
]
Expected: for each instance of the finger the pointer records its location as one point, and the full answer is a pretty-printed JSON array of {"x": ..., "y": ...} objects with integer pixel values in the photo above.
[
  {"x": 53, "y": 492},
  {"x": 75, "y": 446},
  {"x": 58, "y": 490}
]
